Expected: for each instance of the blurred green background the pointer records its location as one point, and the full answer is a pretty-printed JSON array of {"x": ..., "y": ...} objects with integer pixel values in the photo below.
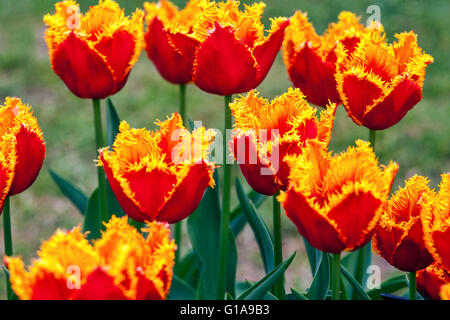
[{"x": 419, "y": 143}]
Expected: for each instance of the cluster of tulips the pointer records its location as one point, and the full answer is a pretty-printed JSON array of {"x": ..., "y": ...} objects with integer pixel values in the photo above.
[{"x": 150, "y": 179}]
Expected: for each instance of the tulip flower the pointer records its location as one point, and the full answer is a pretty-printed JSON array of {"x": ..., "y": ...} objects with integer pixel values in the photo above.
[
  {"x": 93, "y": 53},
  {"x": 256, "y": 120},
  {"x": 431, "y": 279},
  {"x": 159, "y": 175},
  {"x": 399, "y": 236},
  {"x": 436, "y": 221},
  {"x": 169, "y": 40},
  {"x": 121, "y": 265},
  {"x": 22, "y": 144},
  {"x": 310, "y": 58},
  {"x": 379, "y": 82},
  {"x": 336, "y": 201},
  {"x": 233, "y": 55},
  {"x": 445, "y": 292}
]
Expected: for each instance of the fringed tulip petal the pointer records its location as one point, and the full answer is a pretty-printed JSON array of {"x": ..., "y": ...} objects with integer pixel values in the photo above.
[
  {"x": 120, "y": 265},
  {"x": 223, "y": 65},
  {"x": 431, "y": 279}
]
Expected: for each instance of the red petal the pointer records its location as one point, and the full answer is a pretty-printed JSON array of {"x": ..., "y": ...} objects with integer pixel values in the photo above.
[
  {"x": 118, "y": 51},
  {"x": 429, "y": 283},
  {"x": 126, "y": 203},
  {"x": 251, "y": 168},
  {"x": 47, "y": 287},
  {"x": 314, "y": 77},
  {"x": 441, "y": 240},
  {"x": 150, "y": 189},
  {"x": 99, "y": 286},
  {"x": 146, "y": 289},
  {"x": 310, "y": 224},
  {"x": 353, "y": 215},
  {"x": 3, "y": 187},
  {"x": 224, "y": 65},
  {"x": 187, "y": 195},
  {"x": 360, "y": 94},
  {"x": 394, "y": 107},
  {"x": 30, "y": 150},
  {"x": 387, "y": 240},
  {"x": 411, "y": 255},
  {"x": 82, "y": 69},
  {"x": 173, "y": 55},
  {"x": 266, "y": 52}
]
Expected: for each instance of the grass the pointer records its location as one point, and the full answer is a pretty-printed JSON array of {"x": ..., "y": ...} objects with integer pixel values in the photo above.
[{"x": 419, "y": 143}]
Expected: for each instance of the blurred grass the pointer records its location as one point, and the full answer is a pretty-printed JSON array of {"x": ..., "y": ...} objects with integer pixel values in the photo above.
[{"x": 419, "y": 143}]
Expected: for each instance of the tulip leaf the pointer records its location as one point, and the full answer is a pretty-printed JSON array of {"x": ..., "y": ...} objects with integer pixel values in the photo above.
[
  {"x": 204, "y": 233},
  {"x": 389, "y": 286},
  {"x": 259, "y": 228},
  {"x": 180, "y": 290},
  {"x": 112, "y": 122},
  {"x": 358, "y": 289},
  {"x": 260, "y": 288},
  {"x": 295, "y": 295},
  {"x": 92, "y": 221},
  {"x": 188, "y": 268},
  {"x": 238, "y": 218},
  {"x": 357, "y": 263},
  {"x": 313, "y": 255},
  {"x": 112, "y": 129},
  {"x": 75, "y": 195},
  {"x": 321, "y": 281}
]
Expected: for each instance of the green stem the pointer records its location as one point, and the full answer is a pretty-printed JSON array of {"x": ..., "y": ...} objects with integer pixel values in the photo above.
[
  {"x": 179, "y": 226},
  {"x": 278, "y": 246},
  {"x": 372, "y": 136},
  {"x": 8, "y": 240},
  {"x": 100, "y": 173},
  {"x": 225, "y": 217},
  {"x": 412, "y": 286},
  {"x": 336, "y": 276}
]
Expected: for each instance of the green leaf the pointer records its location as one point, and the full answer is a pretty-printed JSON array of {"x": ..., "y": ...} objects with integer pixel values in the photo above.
[
  {"x": 389, "y": 286},
  {"x": 358, "y": 289},
  {"x": 112, "y": 122},
  {"x": 357, "y": 263},
  {"x": 238, "y": 218},
  {"x": 75, "y": 195},
  {"x": 313, "y": 255},
  {"x": 92, "y": 220},
  {"x": 260, "y": 288},
  {"x": 262, "y": 234},
  {"x": 321, "y": 282},
  {"x": 112, "y": 129},
  {"x": 295, "y": 295},
  {"x": 180, "y": 290},
  {"x": 204, "y": 232},
  {"x": 188, "y": 269}
]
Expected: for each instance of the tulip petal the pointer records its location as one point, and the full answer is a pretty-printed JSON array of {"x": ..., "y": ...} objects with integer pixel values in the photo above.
[
  {"x": 187, "y": 195},
  {"x": 394, "y": 106},
  {"x": 128, "y": 206},
  {"x": 99, "y": 286},
  {"x": 319, "y": 232},
  {"x": 358, "y": 95},
  {"x": 353, "y": 215},
  {"x": 411, "y": 254},
  {"x": 266, "y": 52},
  {"x": 118, "y": 51},
  {"x": 385, "y": 241},
  {"x": 313, "y": 76},
  {"x": 82, "y": 69},
  {"x": 30, "y": 150},
  {"x": 441, "y": 241},
  {"x": 224, "y": 66},
  {"x": 151, "y": 189},
  {"x": 173, "y": 55},
  {"x": 47, "y": 287},
  {"x": 146, "y": 289}
]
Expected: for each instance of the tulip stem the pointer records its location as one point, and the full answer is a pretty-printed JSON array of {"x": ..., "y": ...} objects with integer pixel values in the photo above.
[
  {"x": 225, "y": 217},
  {"x": 100, "y": 172},
  {"x": 278, "y": 245},
  {"x": 179, "y": 226},
  {"x": 372, "y": 136},
  {"x": 412, "y": 286},
  {"x": 336, "y": 276},
  {"x": 8, "y": 241}
]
